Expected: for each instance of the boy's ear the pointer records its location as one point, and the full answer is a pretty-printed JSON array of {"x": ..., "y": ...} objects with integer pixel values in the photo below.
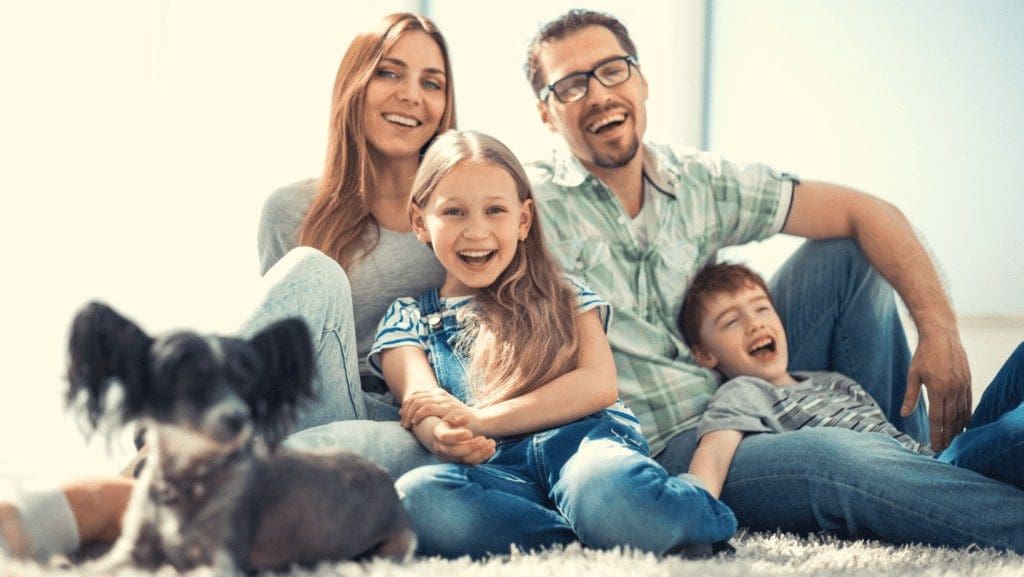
[
  {"x": 703, "y": 358},
  {"x": 525, "y": 218},
  {"x": 418, "y": 224}
]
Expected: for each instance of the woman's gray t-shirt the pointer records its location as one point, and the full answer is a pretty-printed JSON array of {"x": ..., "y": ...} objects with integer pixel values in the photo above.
[{"x": 399, "y": 266}]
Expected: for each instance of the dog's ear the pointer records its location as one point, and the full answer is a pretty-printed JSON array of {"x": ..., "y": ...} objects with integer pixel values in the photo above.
[
  {"x": 286, "y": 351},
  {"x": 105, "y": 346}
]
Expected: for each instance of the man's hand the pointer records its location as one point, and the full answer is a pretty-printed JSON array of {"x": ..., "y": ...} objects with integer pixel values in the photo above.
[
  {"x": 452, "y": 441},
  {"x": 940, "y": 364},
  {"x": 433, "y": 402}
]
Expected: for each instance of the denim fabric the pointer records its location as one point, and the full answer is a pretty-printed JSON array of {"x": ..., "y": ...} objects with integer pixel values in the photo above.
[
  {"x": 590, "y": 479},
  {"x": 449, "y": 367},
  {"x": 840, "y": 315},
  {"x": 993, "y": 443},
  {"x": 851, "y": 484},
  {"x": 312, "y": 286}
]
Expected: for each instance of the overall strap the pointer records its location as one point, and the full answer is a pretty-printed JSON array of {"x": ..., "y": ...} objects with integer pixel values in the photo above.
[{"x": 448, "y": 365}]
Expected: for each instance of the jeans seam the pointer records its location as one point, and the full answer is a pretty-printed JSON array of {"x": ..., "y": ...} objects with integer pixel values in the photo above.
[
  {"x": 344, "y": 365},
  {"x": 911, "y": 512}
]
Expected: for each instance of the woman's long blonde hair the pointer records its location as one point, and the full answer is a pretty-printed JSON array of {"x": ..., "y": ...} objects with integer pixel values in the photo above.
[
  {"x": 339, "y": 222},
  {"x": 521, "y": 331}
]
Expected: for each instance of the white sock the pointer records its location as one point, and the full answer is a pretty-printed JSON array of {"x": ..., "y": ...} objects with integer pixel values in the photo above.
[{"x": 36, "y": 521}]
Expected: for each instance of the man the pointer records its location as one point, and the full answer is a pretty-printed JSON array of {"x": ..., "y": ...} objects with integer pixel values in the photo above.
[{"x": 637, "y": 221}]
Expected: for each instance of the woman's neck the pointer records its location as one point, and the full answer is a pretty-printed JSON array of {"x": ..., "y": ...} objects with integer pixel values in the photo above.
[{"x": 391, "y": 199}]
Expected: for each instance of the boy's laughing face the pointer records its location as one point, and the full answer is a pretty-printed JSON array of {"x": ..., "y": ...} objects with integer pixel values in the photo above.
[{"x": 741, "y": 334}]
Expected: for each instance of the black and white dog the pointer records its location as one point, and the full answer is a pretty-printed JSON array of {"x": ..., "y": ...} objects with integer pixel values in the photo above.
[{"x": 216, "y": 485}]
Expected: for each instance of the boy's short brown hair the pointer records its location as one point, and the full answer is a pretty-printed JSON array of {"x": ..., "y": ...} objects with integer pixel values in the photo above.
[{"x": 713, "y": 279}]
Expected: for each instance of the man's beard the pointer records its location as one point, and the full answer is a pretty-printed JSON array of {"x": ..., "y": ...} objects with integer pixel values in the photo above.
[{"x": 617, "y": 158}]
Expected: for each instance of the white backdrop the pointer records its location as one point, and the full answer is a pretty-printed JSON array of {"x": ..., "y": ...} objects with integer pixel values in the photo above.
[{"x": 139, "y": 138}]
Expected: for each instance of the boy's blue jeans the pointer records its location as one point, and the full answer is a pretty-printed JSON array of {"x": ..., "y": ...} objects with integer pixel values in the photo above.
[{"x": 840, "y": 316}]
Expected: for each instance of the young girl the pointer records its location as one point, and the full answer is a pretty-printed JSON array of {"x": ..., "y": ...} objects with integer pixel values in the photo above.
[{"x": 510, "y": 350}]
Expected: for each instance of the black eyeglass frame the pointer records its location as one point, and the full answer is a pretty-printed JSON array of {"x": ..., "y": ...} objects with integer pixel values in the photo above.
[{"x": 548, "y": 90}]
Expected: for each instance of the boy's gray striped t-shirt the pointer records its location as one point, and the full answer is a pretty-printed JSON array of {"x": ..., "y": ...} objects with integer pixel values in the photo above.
[{"x": 819, "y": 399}]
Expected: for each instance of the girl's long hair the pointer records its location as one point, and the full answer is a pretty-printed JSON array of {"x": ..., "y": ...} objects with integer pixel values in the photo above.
[
  {"x": 339, "y": 222},
  {"x": 521, "y": 331}
]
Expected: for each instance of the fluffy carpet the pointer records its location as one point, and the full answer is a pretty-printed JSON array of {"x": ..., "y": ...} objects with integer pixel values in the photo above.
[{"x": 756, "y": 554}]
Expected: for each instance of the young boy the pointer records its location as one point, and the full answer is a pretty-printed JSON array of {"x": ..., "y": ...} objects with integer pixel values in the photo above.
[{"x": 730, "y": 324}]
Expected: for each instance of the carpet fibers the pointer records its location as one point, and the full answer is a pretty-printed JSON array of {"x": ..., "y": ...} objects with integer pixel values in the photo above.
[{"x": 756, "y": 554}]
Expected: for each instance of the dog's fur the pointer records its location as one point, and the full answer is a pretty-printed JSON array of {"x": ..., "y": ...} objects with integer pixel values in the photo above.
[{"x": 216, "y": 486}]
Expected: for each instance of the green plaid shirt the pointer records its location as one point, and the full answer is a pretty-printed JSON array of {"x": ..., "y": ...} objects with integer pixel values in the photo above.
[{"x": 702, "y": 203}]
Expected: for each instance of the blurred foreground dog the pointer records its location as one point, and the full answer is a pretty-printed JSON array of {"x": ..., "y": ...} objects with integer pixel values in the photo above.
[{"x": 216, "y": 486}]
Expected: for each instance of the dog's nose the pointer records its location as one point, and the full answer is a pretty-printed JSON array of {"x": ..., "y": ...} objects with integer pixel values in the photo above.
[{"x": 235, "y": 422}]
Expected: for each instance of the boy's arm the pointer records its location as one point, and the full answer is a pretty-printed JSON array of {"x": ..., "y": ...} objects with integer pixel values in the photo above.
[
  {"x": 712, "y": 458},
  {"x": 588, "y": 388}
]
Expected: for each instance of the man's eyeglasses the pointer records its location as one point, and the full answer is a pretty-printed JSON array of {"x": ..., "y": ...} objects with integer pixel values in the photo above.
[{"x": 575, "y": 86}]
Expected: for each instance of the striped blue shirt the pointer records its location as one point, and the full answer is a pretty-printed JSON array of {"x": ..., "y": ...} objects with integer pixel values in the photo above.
[
  {"x": 405, "y": 325},
  {"x": 819, "y": 399}
]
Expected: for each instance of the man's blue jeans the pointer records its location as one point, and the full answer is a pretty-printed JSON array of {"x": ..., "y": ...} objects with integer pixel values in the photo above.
[
  {"x": 993, "y": 443},
  {"x": 840, "y": 316},
  {"x": 589, "y": 480}
]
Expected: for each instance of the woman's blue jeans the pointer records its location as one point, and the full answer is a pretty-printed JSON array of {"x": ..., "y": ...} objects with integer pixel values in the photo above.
[{"x": 840, "y": 315}]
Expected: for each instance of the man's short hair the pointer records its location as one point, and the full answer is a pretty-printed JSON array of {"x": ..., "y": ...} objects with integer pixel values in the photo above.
[
  {"x": 564, "y": 25},
  {"x": 713, "y": 279}
]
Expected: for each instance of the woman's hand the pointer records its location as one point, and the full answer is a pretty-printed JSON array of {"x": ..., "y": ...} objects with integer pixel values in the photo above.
[
  {"x": 436, "y": 402},
  {"x": 452, "y": 441}
]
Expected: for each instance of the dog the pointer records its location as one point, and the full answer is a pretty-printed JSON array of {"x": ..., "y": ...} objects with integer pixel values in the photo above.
[{"x": 217, "y": 486}]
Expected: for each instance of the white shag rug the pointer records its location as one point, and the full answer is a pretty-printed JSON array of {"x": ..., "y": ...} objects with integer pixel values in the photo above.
[{"x": 763, "y": 555}]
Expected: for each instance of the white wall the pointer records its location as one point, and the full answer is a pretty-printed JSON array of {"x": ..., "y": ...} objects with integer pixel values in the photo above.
[
  {"x": 916, "y": 102},
  {"x": 140, "y": 137},
  {"x": 488, "y": 41}
]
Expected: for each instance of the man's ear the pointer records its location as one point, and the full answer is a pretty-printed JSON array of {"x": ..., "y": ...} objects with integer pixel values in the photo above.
[
  {"x": 418, "y": 224},
  {"x": 545, "y": 116},
  {"x": 525, "y": 218},
  {"x": 703, "y": 358}
]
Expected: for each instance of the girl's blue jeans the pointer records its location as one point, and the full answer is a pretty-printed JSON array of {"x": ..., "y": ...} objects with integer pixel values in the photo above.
[{"x": 589, "y": 480}]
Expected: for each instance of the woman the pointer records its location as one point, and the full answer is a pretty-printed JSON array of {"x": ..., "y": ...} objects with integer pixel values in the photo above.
[{"x": 392, "y": 95}]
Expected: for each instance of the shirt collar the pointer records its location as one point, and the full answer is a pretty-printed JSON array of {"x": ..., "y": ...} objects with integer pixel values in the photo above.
[{"x": 570, "y": 172}]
